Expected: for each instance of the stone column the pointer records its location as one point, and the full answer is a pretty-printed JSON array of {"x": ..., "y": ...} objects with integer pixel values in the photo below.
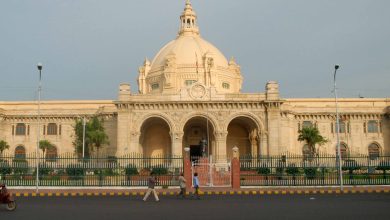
[
  {"x": 220, "y": 146},
  {"x": 187, "y": 167},
  {"x": 273, "y": 114},
  {"x": 134, "y": 142},
  {"x": 236, "y": 168},
  {"x": 177, "y": 142},
  {"x": 253, "y": 138},
  {"x": 123, "y": 133},
  {"x": 263, "y": 144}
]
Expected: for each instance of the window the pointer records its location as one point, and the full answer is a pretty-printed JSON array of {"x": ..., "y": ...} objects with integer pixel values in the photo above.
[
  {"x": 226, "y": 85},
  {"x": 51, "y": 154},
  {"x": 20, "y": 152},
  {"x": 20, "y": 129},
  {"x": 372, "y": 126},
  {"x": 373, "y": 151},
  {"x": 52, "y": 129},
  {"x": 342, "y": 128},
  {"x": 189, "y": 82},
  {"x": 155, "y": 86},
  {"x": 343, "y": 151},
  {"x": 307, "y": 124}
]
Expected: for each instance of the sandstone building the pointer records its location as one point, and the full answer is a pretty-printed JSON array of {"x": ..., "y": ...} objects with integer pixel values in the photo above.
[{"x": 191, "y": 93}]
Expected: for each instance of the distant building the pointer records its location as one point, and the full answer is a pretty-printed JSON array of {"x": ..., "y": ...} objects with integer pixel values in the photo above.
[{"x": 190, "y": 93}]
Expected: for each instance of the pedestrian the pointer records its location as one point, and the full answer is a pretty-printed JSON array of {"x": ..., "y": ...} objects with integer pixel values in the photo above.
[
  {"x": 182, "y": 184},
  {"x": 195, "y": 181},
  {"x": 152, "y": 180}
]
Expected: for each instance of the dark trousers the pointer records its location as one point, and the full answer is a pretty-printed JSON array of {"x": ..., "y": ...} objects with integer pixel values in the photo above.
[
  {"x": 196, "y": 194},
  {"x": 182, "y": 192}
]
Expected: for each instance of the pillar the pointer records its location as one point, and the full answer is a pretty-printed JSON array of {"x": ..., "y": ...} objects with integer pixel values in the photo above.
[
  {"x": 236, "y": 168},
  {"x": 177, "y": 142},
  {"x": 220, "y": 146},
  {"x": 187, "y": 168},
  {"x": 263, "y": 144}
]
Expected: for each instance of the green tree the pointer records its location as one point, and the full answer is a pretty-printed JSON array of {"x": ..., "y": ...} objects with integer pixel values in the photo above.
[
  {"x": 3, "y": 146},
  {"x": 311, "y": 136},
  {"x": 45, "y": 145},
  {"x": 95, "y": 136}
]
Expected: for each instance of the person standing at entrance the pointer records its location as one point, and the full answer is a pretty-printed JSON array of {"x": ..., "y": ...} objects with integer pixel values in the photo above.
[
  {"x": 195, "y": 182},
  {"x": 182, "y": 184},
  {"x": 151, "y": 183}
]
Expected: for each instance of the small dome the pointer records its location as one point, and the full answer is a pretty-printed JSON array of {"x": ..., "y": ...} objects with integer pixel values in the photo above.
[{"x": 188, "y": 50}]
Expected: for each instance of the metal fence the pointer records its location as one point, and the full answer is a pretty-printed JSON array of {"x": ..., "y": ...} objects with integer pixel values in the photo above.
[
  {"x": 69, "y": 170},
  {"x": 321, "y": 170}
]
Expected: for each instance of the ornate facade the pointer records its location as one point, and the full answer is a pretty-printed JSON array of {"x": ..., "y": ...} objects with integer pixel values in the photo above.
[{"x": 190, "y": 96}]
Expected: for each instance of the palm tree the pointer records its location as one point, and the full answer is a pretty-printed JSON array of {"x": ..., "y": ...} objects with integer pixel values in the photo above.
[
  {"x": 96, "y": 135},
  {"x": 3, "y": 146},
  {"x": 45, "y": 145},
  {"x": 311, "y": 136}
]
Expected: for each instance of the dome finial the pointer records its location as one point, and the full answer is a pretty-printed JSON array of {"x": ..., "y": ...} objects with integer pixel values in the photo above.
[{"x": 188, "y": 20}]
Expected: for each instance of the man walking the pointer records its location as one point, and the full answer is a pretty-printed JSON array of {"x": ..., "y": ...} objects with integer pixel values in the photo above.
[
  {"x": 182, "y": 184},
  {"x": 195, "y": 181},
  {"x": 151, "y": 183}
]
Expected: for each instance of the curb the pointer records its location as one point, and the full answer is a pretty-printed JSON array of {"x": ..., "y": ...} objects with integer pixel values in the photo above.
[{"x": 240, "y": 192}]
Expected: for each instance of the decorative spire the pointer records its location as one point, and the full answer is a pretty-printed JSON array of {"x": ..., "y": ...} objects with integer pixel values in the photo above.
[{"x": 188, "y": 21}]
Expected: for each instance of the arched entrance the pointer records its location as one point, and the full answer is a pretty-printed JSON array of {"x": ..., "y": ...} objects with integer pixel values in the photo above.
[
  {"x": 155, "y": 138},
  {"x": 199, "y": 137},
  {"x": 243, "y": 133}
]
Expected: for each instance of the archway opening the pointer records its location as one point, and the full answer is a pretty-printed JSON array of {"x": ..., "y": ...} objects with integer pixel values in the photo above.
[
  {"x": 199, "y": 137},
  {"x": 243, "y": 133},
  {"x": 155, "y": 138}
]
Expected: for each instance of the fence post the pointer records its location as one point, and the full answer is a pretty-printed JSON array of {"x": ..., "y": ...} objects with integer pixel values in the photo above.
[
  {"x": 235, "y": 169},
  {"x": 187, "y": 167}
]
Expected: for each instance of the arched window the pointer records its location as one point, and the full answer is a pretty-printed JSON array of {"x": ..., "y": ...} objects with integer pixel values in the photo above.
[
  {"x": 372, "y": 126},
  {"x": 51, "y": 154},
  {"x": 374, "y": 151},
  {"x": 52, "y": 129},
  {"x": 20, "y": 129},
  {"x": 155, "y": 86},
  {"x": 307, "y": 124},
  {"x": 343, "y": 151},
  {"x": 20, "y": 152},
  {"x": 226, "y": 85}
]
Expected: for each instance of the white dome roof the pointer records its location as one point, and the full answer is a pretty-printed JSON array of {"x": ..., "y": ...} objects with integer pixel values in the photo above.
[{"x": 188, "y": 50}]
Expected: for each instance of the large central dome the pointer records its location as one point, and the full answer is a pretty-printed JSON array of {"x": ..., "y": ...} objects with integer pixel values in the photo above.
[
  {"x": 188, "y": 50},
  {"x": 187, "y": 61}
]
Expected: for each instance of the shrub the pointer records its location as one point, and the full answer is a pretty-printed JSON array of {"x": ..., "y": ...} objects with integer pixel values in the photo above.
[
  {"x": 131, "y": 170},
  {"x": 310, "y": 172},
  {"x": 43, "y": 171},
  {"x": 75, "y": 171},
  {"x": 263, "y": 170},
  {"x": 20, "y": 166},
  {"x": 292, "y": 169},
  {"x": 4, "y": 168},
  {"x": 160, "y": 171},
  {"x": 351, "y": 165}
]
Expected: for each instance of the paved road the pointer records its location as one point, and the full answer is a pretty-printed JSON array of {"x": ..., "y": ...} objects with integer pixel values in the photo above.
[{"x": 348, "y": 206}]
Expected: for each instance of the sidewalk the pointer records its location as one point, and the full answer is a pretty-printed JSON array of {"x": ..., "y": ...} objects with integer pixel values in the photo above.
[{"x": 47, "y": 192}]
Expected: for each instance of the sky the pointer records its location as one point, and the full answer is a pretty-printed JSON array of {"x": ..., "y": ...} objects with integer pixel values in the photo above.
[{"x": 89, "y": 47}]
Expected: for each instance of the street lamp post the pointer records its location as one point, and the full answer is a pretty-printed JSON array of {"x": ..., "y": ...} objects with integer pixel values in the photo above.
[
  {"x": 338, "y": 159},
  {"x": 39, "y": 66},
  {"x": 83, "y": 137}
]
